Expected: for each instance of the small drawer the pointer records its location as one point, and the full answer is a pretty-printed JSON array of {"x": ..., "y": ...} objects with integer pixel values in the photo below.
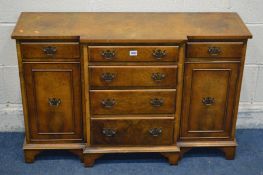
[
  {"x": 50, "y": 50},
  {"x": 214, "y": 49},
  {"x": 132, "y": 76},
  {"x": 137, "y": 132},
  {"x": 133, "y": 53},
  {"x": 132, "y": 101}
]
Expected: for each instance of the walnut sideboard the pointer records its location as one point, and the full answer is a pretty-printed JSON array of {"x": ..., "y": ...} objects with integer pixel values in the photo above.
[{"x": 98, "y": 83}]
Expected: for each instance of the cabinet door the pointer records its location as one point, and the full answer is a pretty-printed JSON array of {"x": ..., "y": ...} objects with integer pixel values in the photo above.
[
  {"x": 54, "y": 102},
  {"x": 208, "y": 100}
]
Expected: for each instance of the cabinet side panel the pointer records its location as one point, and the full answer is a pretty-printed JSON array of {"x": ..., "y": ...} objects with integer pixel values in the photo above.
[
  {"x": 23, "y": 90},
  {"x": 238, "y": 90}
]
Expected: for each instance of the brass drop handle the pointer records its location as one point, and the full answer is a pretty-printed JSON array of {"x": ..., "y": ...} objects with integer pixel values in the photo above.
[
  {"x": 208, "y": 101},
  {"x": 155, "y": 132},
  {"x": 156, "y": 102},
  {"x": 108, "y": 77},
  {"x": 54, "y": 102},
  {"x": 109, "y": 132},
  {"x": 50, "y": 50},
  {"x": 158, "y": 76},
  {"x": 214, "y": 51},
  {"x": 108, "y": 54},
  {"x": 159, "y": 54},
  {"x": 108, "y": 103}
]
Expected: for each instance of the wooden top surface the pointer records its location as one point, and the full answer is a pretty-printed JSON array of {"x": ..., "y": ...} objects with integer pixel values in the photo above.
[{"x": 129, "y": 27}]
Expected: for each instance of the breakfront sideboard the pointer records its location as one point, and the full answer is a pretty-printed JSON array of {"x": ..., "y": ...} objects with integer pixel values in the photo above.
[{"x": 98, "y": 83}]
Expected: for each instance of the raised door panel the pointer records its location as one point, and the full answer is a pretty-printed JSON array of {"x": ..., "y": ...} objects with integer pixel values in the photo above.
[
  {"x": 54, "y": 102},
  {"x": 209, "y": 93}
]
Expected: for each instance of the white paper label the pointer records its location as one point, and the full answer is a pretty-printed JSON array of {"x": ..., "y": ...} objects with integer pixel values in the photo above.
[{"x": 133, "y": 53}]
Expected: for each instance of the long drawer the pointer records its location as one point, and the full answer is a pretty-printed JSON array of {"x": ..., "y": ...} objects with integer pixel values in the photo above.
[
  {"x": 137, "y": 132},
  {"x": 132, "y": 76},
  {"x": 133, "y": 53},
  {"x": 132, "y": 101}
]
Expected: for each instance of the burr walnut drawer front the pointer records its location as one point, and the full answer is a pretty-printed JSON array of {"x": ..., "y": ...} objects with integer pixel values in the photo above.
[
  {"x": 132, "y": 101},
  {"x": 50, "y": 50},
  {"x": 132, "y": 76},
  {"x": 214, "y": 49},
  {"x": 133, "y": 53},
  {"x": 132, "y": 132}
]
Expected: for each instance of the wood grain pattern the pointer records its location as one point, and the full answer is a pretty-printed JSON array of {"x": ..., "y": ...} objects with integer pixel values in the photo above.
[
  {"x": 208, "y": 80},
  {"x": 23, "y": 91},
  {"x": 98, "y": 83},
  {"x": 132, "y": 132},
  {"x": 85, "y": 88},
  {"x": 137, "y": 149},
  {"x": 228, "y": 147},
  {"x": 225, "y": 49},
  {"x": 144, "y": 53},
  {"x": 179, "y": 90},
  {"x": 93, "y": 153},
  {"x": 133, "y": 116},
  {"x": 64, "y": 50},
  {"x": 127, "y": 101},
  {"x": 49, "y": 122},
  {"x": 31, "y": 150},
  {"x": 207, "y": 143},
  {"x": 130, "y": 27},
  {"x": 133, "y": 76},
  {"x": 238, "y": 89}
]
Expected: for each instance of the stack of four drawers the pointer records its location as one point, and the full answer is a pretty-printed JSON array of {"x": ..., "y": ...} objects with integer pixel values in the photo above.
[{"x": 132, "y": 95}]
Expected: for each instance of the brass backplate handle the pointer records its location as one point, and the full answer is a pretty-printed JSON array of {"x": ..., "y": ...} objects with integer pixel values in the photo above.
[
  {"x": 108, "y": 103},
  {"x": 208, "y": 101},
  {"x": 155, "y": 132},
  {"x": 159, "y": 54},
  {"x": 50, "y": 50},
  {"x": 158, "y": 76},
  {"x": 214, "y": 51},
  {"x": 109, "y": 132},
  {"x": 54, "y": 102},
  {"x": 108, "y": 77},
  {"x": 108, "y": 54},
  {"x": 156, "y": 102}
]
